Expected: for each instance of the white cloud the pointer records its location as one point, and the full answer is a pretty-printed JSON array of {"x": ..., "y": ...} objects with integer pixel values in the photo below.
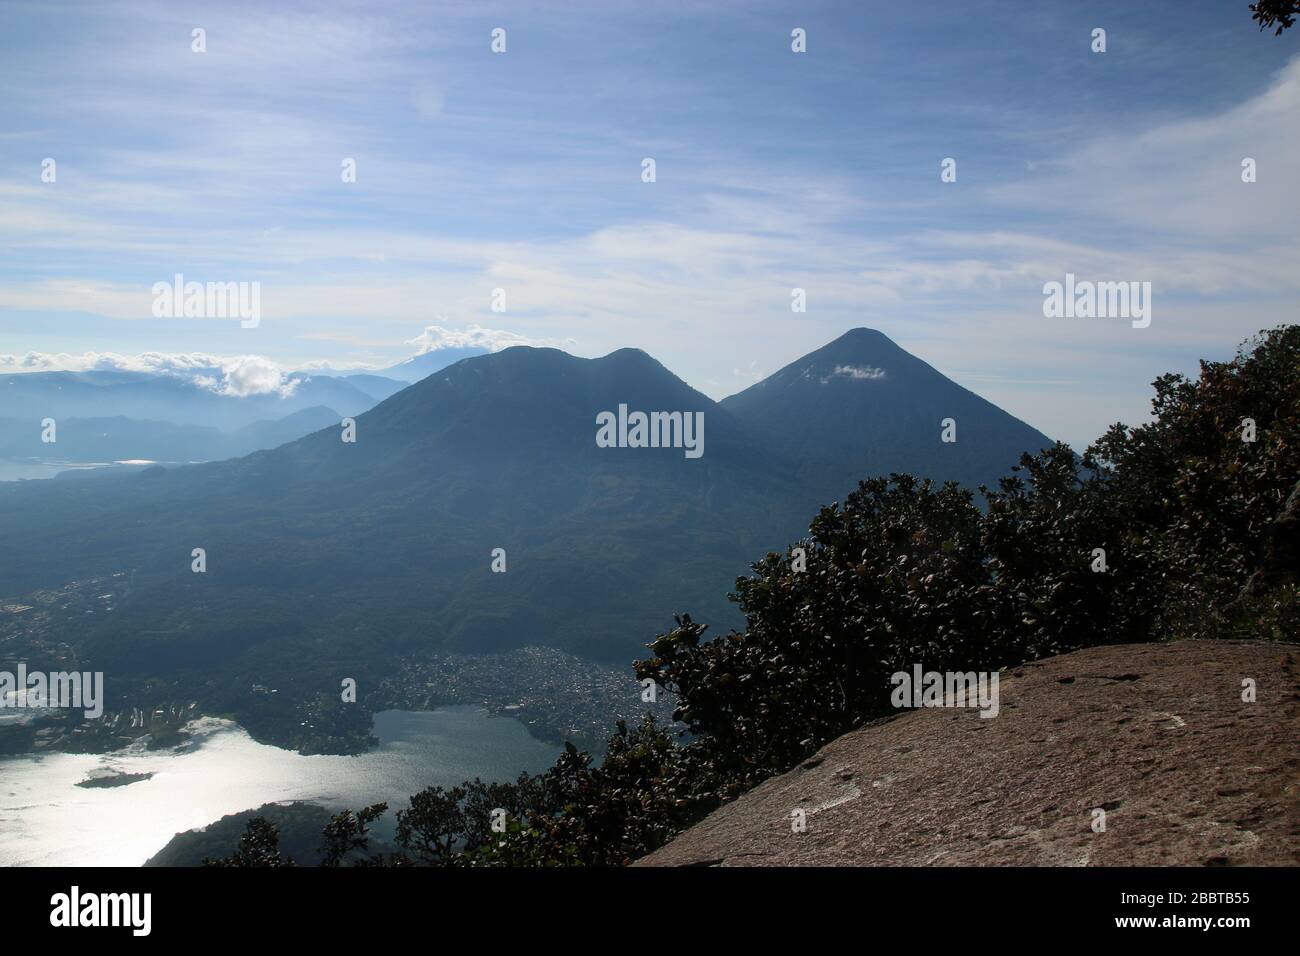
[
  {"x": 1184, "y": 177},
  {"x": 435, "y": 338},
  {"x": 254, "y": 375},
  {"x": 857, "y": 372},
  {"x": 238, "y": 376},
  {"x": 326, "y": 365},
  {"x": 702, "y": 283}
]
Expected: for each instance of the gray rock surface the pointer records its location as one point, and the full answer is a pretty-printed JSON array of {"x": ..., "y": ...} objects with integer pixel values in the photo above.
[{"x": 1156, "y": 735}]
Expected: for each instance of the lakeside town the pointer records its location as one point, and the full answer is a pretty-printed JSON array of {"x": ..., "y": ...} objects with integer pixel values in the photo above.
[{"x": 555, "y": 695}]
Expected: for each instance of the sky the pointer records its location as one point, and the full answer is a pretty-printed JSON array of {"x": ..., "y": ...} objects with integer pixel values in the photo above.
[{"x": 774, "y": 170}]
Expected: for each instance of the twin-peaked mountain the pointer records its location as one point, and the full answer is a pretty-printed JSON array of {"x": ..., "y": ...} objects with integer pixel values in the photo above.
[{"x": 338, "y": 551}]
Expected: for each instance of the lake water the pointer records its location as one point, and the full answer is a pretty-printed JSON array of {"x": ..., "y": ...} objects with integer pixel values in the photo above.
[
  {"x": 24, "y": 469},
  {"x": 47, "y": 820},
  {"x": 11, "y": 470}
]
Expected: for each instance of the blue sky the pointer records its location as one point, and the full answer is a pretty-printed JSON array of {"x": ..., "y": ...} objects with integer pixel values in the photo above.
[{"x": 521, "y": 171}]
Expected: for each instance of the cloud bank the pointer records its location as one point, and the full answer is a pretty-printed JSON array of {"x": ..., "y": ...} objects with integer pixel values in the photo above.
[
  {"x": 237, "y": 376},
  {"x": 435, "y": 338}
]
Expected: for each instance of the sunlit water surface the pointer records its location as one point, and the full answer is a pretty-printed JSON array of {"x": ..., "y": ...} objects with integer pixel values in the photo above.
[{"x": 46, "y": 819}]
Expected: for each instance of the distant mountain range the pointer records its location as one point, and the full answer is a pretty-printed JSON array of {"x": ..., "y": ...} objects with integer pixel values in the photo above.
[
  {"x": 347, "y": 554},
  {"x": 181, "y": 400},
  {"x": 108, "y": 415},
  {"x": 119, "y": 438}
]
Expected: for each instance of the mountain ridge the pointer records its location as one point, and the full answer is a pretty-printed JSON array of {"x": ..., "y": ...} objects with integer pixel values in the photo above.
[{"x": 325, "y": 556}]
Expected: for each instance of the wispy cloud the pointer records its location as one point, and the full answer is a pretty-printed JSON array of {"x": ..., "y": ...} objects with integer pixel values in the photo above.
[
  {"x": 775, "y": 172},
  {"x": 858, "y": 373},
  {"x": 435, "y": 338}
]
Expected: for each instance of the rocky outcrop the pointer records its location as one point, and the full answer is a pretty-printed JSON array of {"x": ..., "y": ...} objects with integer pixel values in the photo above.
[{"x": 1155, "y": 737}]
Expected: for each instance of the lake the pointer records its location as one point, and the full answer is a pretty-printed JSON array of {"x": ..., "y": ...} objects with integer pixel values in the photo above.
[
  {"x": 47, "y": 820},
  {"x": 24, "y": 469}
]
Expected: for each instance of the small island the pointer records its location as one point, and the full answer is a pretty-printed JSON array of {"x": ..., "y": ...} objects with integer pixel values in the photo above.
[{"x": 113, "y": 778}]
